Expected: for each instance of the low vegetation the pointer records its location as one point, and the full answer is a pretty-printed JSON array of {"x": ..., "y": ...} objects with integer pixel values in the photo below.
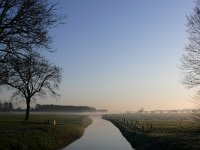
[
  {"x": 39, "y": 133},
  {"x": 158, "y": 131}
]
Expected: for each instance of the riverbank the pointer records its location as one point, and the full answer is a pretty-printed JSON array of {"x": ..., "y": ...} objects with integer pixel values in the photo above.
[
  {"x": 39, "y": 132},
  {"x": 155, "y": 132}
]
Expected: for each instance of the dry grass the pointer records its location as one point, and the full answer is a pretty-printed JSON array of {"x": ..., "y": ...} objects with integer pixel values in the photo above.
[{"x": 35, "y": 134}]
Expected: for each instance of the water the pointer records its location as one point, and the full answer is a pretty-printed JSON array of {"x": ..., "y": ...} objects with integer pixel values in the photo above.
[{"x": 100, "y": 135}]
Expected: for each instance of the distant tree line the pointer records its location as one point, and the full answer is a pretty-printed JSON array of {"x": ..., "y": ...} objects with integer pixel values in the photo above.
[
  {"x": 6, "y": 106},
  {"x": 62, "y": 108}
]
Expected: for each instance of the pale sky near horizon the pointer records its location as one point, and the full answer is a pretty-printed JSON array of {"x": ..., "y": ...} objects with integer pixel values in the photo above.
[{"x": 122, "y": 54}]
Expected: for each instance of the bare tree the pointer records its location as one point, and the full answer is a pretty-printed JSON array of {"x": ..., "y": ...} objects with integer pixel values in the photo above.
[
  {"x": 30, "y": 76},
  {"x": 25, "y": 23},
  {"x": 191, "y": 59}
]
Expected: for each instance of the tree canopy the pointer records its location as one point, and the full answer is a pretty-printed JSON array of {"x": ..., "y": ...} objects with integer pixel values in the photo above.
[
  {"x": 25, "y": 24},
  {"x": 191, "y": 59}
]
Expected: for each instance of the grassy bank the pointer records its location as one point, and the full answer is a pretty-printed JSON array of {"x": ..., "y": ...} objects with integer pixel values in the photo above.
[
  {"x": 158, "y": 131},
  {"x": 35, "y": 134}
]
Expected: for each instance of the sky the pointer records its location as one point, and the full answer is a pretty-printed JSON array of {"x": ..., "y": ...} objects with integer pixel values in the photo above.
[{"x": 122, "y": 55}]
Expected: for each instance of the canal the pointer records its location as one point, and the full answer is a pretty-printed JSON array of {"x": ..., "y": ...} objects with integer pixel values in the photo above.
[{"x": 100, "y": 135}]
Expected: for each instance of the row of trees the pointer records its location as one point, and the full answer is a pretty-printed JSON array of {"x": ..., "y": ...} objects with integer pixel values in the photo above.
[
  {"x": 63, "y": 108},
  {"x": 24, "y": 33}
]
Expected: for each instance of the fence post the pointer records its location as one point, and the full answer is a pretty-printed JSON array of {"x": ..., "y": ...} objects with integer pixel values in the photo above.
[{"x": 54, "y": 122}]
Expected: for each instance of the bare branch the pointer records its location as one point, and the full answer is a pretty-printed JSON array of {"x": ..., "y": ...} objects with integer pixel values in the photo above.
[{"x": 191, "y": 59}]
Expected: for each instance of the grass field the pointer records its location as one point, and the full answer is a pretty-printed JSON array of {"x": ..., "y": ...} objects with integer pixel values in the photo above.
[
  {"x": 35, "y": 134},
  {"x": 158, "y": 131}
]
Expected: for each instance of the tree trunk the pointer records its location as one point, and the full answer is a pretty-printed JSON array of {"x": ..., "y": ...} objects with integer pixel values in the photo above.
[{"x": 27, "y": 108}]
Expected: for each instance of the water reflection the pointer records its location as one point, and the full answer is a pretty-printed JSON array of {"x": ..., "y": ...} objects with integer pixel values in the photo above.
[{"x": 100, "y": 135}]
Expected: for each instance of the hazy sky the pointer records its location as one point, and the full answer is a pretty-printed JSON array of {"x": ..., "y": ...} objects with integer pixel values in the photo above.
[{"x": 122, "y": 54}]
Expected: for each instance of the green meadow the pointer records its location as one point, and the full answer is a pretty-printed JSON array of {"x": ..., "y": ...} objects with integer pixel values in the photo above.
[
  {"x": 39, "y": 132},
  {"x": 158, "y": 131}
]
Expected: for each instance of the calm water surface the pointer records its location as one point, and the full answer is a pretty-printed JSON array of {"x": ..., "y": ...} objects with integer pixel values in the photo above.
[{"x": 100, "y": 135}]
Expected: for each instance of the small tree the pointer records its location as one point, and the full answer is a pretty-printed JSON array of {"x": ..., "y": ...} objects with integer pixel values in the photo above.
[
  {"x": 30, "y": 76},
  {"x": 191, "y": 59}
]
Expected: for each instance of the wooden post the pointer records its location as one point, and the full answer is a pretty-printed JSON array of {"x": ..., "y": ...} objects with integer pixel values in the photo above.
[{"x": 54, "y": 122}]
